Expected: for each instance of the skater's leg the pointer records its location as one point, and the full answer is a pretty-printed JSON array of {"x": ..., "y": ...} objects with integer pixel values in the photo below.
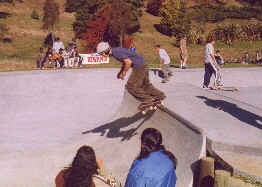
[
  {"x": 134, "y": 84},
  {"x": 151, "y": 90}
]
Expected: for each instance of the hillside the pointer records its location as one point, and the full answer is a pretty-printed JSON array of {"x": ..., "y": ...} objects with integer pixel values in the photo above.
[{"x": 28, "y": 37}]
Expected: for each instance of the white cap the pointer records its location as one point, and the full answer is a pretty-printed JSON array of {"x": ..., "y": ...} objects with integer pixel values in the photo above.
[{"x": 102, "y": 46}]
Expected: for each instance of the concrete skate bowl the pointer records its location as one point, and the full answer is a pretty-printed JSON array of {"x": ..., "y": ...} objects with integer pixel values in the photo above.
[{"x": 47, "y": 116}]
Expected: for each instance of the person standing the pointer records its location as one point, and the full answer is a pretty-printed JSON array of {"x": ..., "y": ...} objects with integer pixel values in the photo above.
[
  {"x": 183, "y": 52},
  {"x": 210, "y": 63},
  {"x": 138, "y": 83},
  {"x": 155, "y": 166},
  {"x": 57, "y": 45},
  {"x": 164, "y": 63},
  {"x": 40, "y": 59}
]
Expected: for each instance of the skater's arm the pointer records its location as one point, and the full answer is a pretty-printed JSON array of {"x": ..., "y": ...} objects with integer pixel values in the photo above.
[{"x": 125, "y": 67}]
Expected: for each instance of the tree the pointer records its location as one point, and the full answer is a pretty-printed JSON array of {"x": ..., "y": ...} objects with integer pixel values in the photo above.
[
  {"x": 85, "y": 11},
  {"x": 154, "y": 7},
  {"x": 174, "y": 18},
  {"x": 169, "y": 16},
  {"x": 34, "y": 14},
  {"x": 51, "y": 15},
  {"x": 120, "y": 18},
  {"x": 97, "y": 27}
]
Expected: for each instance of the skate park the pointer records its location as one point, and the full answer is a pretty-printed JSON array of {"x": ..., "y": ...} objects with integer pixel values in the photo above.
[{"x": 47, "y": 115}]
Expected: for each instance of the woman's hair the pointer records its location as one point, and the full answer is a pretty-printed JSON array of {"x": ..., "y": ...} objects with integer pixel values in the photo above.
[
  {"x": 210, "y": 39},
  {"x": 151, "y": 141},
  {"x": 82, "y": 169}
]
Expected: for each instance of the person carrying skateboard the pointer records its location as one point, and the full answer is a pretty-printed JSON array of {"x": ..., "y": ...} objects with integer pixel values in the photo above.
[
  {"x": 138, "y": 83},
  {"x": 211, "y": 66}
]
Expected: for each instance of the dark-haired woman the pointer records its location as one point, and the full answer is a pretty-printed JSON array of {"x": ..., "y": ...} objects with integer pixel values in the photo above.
[
  {"x": 86, "y": 171},
  {"x": 154, "y": 166}
]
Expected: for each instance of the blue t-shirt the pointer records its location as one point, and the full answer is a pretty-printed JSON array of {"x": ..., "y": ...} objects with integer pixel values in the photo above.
[
  {"x": 122, "y": 53},
  {"x": 156, "y": 170}
]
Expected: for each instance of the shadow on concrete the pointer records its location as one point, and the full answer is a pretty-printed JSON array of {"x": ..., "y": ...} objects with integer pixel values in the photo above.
[
  {"x": 158, "y": 73},
  {"x": 114, "y": 127},
  {"x": 232, "y": 109}
]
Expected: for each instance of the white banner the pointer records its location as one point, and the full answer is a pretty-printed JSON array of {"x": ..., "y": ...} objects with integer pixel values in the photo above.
[{"x": 94, "y": 59}]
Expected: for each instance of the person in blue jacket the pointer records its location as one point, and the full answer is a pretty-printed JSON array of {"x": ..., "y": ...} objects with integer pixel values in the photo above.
[{"x": 155, "y": 166}]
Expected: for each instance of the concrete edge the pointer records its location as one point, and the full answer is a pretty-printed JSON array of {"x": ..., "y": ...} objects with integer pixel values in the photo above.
[
  {"x": 226, "y": 166},
  {"x": 209, "y": 147}
]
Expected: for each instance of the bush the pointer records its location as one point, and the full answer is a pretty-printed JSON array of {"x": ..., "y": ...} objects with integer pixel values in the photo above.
[
  {"x": 233, "y": 33},
  {"x": 34, "y": 15},
  {"x": 3, "y": 31}
]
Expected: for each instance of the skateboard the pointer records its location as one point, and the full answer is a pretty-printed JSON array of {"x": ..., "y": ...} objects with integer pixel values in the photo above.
[
  {"x": 224, "y": 88},
  {"x": 150, "y": 106}
]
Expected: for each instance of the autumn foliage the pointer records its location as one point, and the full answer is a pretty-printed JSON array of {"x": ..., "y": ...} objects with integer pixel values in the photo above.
[{"x": 96, "y": 29}]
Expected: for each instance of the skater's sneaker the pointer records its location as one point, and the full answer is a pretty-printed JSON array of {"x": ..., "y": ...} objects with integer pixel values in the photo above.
[
  {"x": 170, "y": 74},
  {"x": 144, "y": 105},
  {"x": 205, "y": 87}
]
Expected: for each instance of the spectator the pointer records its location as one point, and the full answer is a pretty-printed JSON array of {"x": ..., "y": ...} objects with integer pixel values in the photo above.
[
  {"x": 246, "y": 59},
  {"x": 72, "y": 45},
  {"x": 258, "y": 59},
  {"x": 58, "y": 45},
  {"x": 74, "y": 58},
  {"x": 58, "y": 58},
  {"x": 66, "y": 55},
  {"x": 132, "y": 48},
  {"x": 183, "y": 52},
  {"x": 164, "y": 63},
  {"x": 86, "y": 171},
  {"x": 40, "y": 59},
  {"x": 48, "y": 61},
  {"x": 154, "y": 166},
  {"x": 219, "y": 58}
]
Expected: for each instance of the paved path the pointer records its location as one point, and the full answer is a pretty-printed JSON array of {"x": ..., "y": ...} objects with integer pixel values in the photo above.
[{"x": 47, "y": 115}]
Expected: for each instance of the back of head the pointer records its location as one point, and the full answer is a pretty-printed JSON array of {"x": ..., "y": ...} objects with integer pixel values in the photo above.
[
  {"x": 82, "y": 169},
  {"x": 210, "y": 39},
  {"x": 102, "y": 47},
  {"x": 151, "y": 141}
]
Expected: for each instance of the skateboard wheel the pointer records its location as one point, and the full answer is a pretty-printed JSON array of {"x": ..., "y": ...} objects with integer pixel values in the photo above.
[
  {"x": 155, "y": 107},
  {"x": 144, "y": 112},
  {"x": 151, "y": 107}
]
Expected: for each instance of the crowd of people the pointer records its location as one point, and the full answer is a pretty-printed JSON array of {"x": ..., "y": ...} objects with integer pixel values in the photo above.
[
  {"x": 154, "y": 166},
  {"x": 58, "y": 56}
]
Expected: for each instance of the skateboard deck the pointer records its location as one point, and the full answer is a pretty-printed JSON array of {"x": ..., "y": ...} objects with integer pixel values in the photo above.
[
  {"x": 152, "y": 106},
  {"x": 224, "y": 88}
]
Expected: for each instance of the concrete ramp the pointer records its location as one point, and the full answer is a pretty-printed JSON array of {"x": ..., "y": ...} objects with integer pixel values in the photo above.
[
  {"x": 44, "y": 122},
  {"x": 121, "y": 143}
]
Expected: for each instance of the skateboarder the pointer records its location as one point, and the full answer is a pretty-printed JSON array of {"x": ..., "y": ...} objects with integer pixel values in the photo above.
[
  {"x": 164, "y": 63},
  {"x": 138, "y": 83}
]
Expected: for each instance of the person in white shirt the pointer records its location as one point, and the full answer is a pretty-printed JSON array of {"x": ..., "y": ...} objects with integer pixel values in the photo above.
[
  {"x": 210, "y": 63},
  {"x": 164, "y": 63},
  {"x": 58, "y": 45},
  {"x": 66, "y": 55}
]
